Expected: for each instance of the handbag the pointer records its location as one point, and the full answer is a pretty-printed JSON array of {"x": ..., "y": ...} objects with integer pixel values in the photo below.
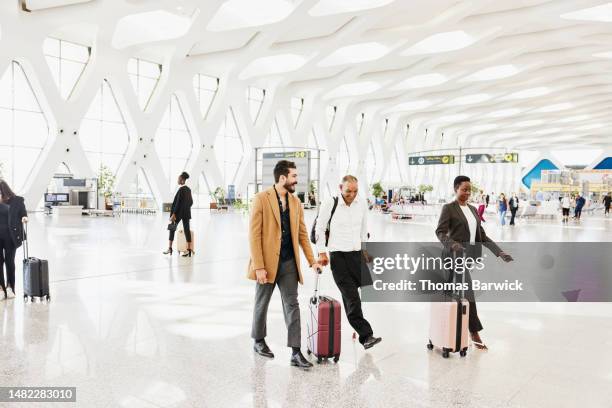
[{"x": 172, "y": 226}]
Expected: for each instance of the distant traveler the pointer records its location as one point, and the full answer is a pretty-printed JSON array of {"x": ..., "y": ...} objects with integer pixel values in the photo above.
[
  {"x": 348, "y": 228},
  {"x": 13, "y": 215},
  {"x": 580, "y": 202},
  {"x": 181, "y": 211},
  {"x": 487, "y": 199},
  {"x": 482, "y": 204},
  {"x": 459, "y": 229},
  {"x": 276, "y": 233},
  {"x": 502, "y": 208},
  {"x": 514, "y": 206},
  {"x": 607, "y": 200},
  {"x": 565, "y": 208}
]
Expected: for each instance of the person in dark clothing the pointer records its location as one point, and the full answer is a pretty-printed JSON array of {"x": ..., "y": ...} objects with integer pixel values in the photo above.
[
  {"x": 460, "y": 230},
  {"x": 181, "y": 211},
  {"x": 580, "y": 202},
  {"x": 514, "y": 206},
  {"x": 13, "y": 215},
  {"x": 607, "y": 200}
]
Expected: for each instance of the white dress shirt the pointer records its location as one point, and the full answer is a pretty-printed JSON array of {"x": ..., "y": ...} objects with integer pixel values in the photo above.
[
  {"x": 471, "y": 219},
  {"x": 348, "y": 228}
]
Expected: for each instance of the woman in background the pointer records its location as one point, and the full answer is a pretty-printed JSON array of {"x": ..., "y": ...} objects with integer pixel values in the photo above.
[
  {"x": 13, "y": 215},
  {"x": 502, "y": 208},
  {"x": 181, "y": 211}
]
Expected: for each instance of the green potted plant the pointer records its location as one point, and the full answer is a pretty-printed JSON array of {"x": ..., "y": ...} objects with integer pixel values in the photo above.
[
  {"x": 424, "y": 188},
  {"x": 217, "y": 197},
  {"x": 377, "y": 190},
  {"x": 106, "y": 185}
]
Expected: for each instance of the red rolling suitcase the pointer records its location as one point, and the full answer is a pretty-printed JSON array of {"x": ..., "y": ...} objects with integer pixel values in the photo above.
[{"x": 324, "y": 326}]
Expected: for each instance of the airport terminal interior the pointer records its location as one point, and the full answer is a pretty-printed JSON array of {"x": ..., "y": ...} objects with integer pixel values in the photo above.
[{"x": 104, "y": 104}]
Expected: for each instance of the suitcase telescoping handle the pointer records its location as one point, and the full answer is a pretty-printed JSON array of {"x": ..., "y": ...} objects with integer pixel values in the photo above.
[
  {"x": 315, "y": 298},
  {"x": 26, "y": 250},
  {"x": 455, "y": 255}
]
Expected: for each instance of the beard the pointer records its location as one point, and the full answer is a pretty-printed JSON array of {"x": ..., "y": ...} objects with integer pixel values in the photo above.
[{"x": 290, "y": 187}]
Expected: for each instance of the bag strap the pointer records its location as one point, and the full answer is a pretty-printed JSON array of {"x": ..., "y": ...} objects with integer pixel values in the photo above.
[{"x": 330, "y": 219}]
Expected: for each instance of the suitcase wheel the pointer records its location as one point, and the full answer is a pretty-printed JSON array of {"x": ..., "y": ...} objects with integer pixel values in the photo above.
[
  {"x": 445, "y": 352},
  {"x": 336, "y": 358},
  {"x": 319, "y": 360},
  {"x": 430, "y": 345},
  {"x": 25, "y": 298},
  {"x": 463, "y": 353},
  {"x": 32, "y": 299}
]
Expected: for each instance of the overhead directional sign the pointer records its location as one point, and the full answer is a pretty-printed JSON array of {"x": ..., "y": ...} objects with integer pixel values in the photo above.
[
  {"x": 301, "y": 158},
  {"x": 425, "y": 160},
  {"x": 492, "y": 158}
]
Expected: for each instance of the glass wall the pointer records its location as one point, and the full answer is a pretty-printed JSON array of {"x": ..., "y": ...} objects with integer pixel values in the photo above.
[
  {"x": 66, "y": 61},
  {"x": 255, "y": 99},
  {"x": 229, "y": 149},
  {"x": 206, "y": 88},
  {"x": 173, "y": 142},
  {"x": 24, "y": 130},
  {"x": 144, "y": 76},
  {"x": 103, "y": 132}
]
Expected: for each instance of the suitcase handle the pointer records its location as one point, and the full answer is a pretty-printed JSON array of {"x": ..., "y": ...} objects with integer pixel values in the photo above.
[
  {"x": 26, "y": 250},
  {"x": 455, "y": 255},
  {"x": 315, "y": 298}
]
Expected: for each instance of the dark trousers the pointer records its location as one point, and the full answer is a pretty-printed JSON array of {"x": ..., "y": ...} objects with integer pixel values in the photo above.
[
  {"x": 578, "y": 212},
  {"x": 346, "y": 269},
  {"x": 607, "y": 209},
  {"x": 513, "y": 212},
  {"x": 185, "y": 227},
  {"x": 7, "y": 257},
  {"x": 287, "y": 281},
  {"x": 474, "y": 323}
]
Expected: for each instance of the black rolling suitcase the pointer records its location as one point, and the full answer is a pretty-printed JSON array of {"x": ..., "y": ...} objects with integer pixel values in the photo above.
[{"x": 35, "y": 274}]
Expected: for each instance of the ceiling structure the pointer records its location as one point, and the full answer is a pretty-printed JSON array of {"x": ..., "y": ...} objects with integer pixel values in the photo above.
[{"x": 527, "y": 74}]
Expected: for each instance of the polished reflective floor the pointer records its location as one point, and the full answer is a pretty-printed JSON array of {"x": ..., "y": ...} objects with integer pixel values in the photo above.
[{"x": 130, "y": 327}]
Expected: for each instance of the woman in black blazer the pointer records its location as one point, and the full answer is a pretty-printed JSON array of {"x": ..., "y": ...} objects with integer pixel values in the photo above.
[
  {"x": 13, "y": 215},
  {"x": 456, "y": 231},
  {"x": 181, "y": 211}
]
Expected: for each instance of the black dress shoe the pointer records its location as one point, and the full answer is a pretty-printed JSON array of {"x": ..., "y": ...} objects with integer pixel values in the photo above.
[
  {"x": 371, "y": 341},
  {"x": 298, "y": 360},
  {"x": 262, "y": 349}
]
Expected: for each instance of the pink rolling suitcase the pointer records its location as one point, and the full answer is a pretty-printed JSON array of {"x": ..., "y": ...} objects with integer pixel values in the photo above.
[
  {"x": 448, "y": 328},
  {"x": 324, "y": 326}
]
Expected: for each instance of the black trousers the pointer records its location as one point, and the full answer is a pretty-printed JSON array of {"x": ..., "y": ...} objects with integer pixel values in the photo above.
[
  {"x": 185, "y": 227},
  {"x": 513, "y": 212},
  {"x": 7, "y": 257},
  {"x": 346, "y": 269}
]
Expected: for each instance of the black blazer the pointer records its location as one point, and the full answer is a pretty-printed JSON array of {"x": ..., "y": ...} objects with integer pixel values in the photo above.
[
  {"x": 17, "y": 211},
  {"x": 453, "y": 227},
  {"x": 181, "y": 206},
  {"x": 511, "y": 203}
]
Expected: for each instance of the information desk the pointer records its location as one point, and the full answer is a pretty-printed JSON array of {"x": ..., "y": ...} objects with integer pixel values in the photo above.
[{"x": 67, "y": 210}]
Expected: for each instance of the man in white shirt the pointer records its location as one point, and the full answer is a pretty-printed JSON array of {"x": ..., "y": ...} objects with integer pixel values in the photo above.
[{"x": 347, "y": 224}]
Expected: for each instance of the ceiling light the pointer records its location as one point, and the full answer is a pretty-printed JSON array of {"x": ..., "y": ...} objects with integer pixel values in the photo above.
[
  {"x": 599, "y": 13},
  {"x": 408, "y": 106},
  {"x": 326, "y": 7},
  {"x": 235, "y": 14},
  {"x": 421, "y": 81},
  {"x": 468, "y": 99},
  {"x": 529, "y": 93},
  {"x": 441, "y": 42},
  {"x": 273, "y": 65},
  {"x": 355, "y": 53},
  {"x": 497, "y": 72},
  {"x": 591, "y": 126},
  {"x": 547, "y": 131},
  {"x": 503, "y": 113},
  {"x": 528, "y": 123},
  {"x": 150, "y": 26},
  {"x": 555, "y": 108},
  {"x": 577, "y": 118},
  {"x": 603, "y": 54},
  {"x": 352, "y": 89},
  {"x": 453, "y": 118}
]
